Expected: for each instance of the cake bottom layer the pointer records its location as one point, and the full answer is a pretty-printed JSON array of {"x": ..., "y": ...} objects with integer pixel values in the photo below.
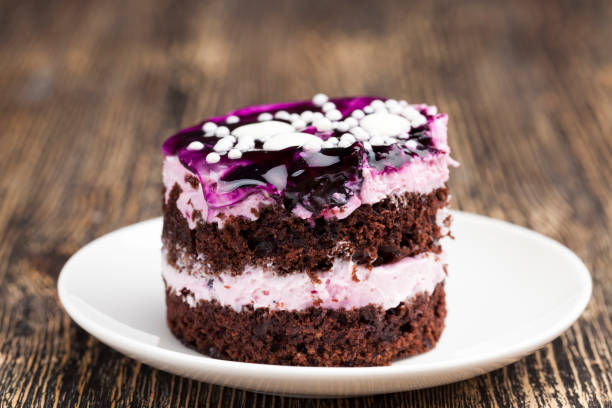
[{"x": 364, "y": 336}]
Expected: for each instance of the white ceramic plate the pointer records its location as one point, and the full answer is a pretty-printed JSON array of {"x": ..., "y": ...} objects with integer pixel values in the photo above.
[{"x": 509, "y": 292}]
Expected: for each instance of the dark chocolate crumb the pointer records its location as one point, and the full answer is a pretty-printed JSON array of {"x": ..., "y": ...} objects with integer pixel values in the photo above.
[
  {"x": 192, "y": 180},
  {"x": 354, "y": 274}
]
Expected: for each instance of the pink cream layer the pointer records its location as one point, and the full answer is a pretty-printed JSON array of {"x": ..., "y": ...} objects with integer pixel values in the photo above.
[
  {"x": 192, "y": 198},
  {"x": 419, "y": 176},
  {"x": 345, "y": 286}
]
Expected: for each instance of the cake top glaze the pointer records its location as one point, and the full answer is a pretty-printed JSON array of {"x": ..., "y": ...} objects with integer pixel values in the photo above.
[{"x": 308, "y": 153}]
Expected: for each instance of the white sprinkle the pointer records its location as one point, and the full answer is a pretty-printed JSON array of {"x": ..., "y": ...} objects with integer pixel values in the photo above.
[
  {"x": 358, "y": 114},
  {"x": 245, "y": 145},
  {"x": 333, "y": 114},
  {"x": 265, "y": 116},
  {"x": 403, "y": 135},
  {"x": 234, "y": 154},
  {"x": 351, "y": 122},
  {"x": 432, "y": 110},
  {"x": 230, "y": 120},
  {"x": 377, "y": 141},
  {"x": 209, "y": 128},
  {"x": 347, "y": 137},
  {"x": 396, "y": 109},
  {"x": 195, "y": 145},
  {"x": 367, "y": 145},
  {"x": 222, "y": 131},
  {"x": 319, "y": 99},
  {"x": 295, "y": 116},
  {"x": 312, "y": 146},
  {"x": 378, "y": 105},
  {"x": 323, "y": 125},
  {"x": 333, "y": 140},
  {"x": 342, "y": 126},
  {"x": 403, "y": 103},
  {"x": 327, "y": 106},
  {"x": 418, "y": 121},
  {"x": 307, "y": 116},
  {"x": 224, "y": 144},
  {"x": 346, "y": 140},
  {"x": 212, "y": 157},
  {"x": 327, "y": 145},
  {"x": 360, "y": 134},
  {"x": 390, "y": 141},
  {"x": 298, "y": 124},
  {"x": 381, "y": 109},
  {"x": 317, "y": 115},
  {"x": 368, "y": 109},
  {"x": 411, "y": 144},
  {"x": 282, "y": 115},
  {"x": 410, "y": 113},
  {"x": 391, "y": 103}
]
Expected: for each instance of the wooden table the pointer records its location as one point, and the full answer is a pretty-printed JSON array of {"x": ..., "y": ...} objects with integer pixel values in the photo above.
[{"x": 91, "y": 89}]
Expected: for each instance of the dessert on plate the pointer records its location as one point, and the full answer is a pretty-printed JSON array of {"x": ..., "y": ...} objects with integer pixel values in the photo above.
[{"x": 308, "y": 233}]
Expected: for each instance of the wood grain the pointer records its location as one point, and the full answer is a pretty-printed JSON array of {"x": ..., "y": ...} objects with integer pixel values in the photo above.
[{"x": 91, "y": 89}]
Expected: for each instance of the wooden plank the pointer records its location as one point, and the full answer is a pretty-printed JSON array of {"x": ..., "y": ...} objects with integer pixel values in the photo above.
[{"x": 91, "y": 89}]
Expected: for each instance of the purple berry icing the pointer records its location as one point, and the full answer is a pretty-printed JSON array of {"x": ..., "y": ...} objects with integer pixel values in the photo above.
[{"x": 315, "y": 188}]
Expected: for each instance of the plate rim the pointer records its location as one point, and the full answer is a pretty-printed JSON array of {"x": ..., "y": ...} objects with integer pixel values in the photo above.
[{"x": 511, "y": 353}]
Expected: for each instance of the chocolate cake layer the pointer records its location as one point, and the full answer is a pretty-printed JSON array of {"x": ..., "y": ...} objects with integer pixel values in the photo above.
[
  {"x": 372, "y": 235},
  {"x": 366, "y": 336}
]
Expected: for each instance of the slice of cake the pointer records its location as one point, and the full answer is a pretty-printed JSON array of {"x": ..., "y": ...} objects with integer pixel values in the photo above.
[{"x": 308, "y": 233}]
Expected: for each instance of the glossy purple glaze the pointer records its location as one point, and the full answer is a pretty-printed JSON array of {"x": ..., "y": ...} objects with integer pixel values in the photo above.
[{"x": 315, "y": 188}]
